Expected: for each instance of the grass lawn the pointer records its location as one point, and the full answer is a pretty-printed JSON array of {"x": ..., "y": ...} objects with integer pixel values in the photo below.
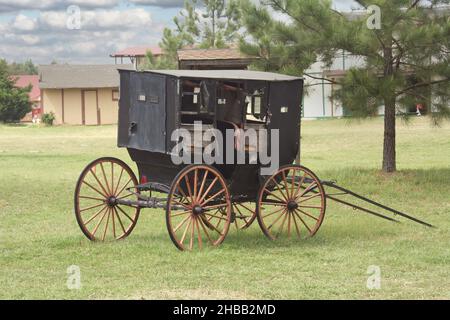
[{"x": 40, "y": 239}]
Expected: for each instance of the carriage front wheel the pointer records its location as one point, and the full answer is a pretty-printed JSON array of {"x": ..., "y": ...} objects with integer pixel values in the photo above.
[
  {"x": 291, "y": 203},
  {"x": 99, "y": 186},
  {"x": 199, "y": 208}
]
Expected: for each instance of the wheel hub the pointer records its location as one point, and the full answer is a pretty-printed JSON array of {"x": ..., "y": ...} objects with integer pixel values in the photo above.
[
  {"x": 112, "y": 201},
  {"x": 197, "y": 210},
  {"x": 292, "y": 205}
]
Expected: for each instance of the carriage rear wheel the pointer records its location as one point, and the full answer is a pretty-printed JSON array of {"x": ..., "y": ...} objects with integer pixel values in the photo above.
[
  {"x": 99, "y": 186},
  {"x": 198, "y": 209},
  {"x": 291, "y": 202}
]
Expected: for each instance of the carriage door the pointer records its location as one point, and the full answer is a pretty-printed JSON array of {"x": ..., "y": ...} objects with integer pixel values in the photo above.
[
  {"x": 148, "y": 112},
  {"x": 285, "y": 106}
]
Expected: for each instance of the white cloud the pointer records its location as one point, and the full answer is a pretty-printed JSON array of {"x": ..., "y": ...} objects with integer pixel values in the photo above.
[
  {"x": 160, "y": 3},
  {"x": 46, "y": 37},
  {"x": 127, "y": 19},
  {"x": 345, "y": 5},
  {"x": 9, "y": 6},
  {"x": 83, "y": 48},
  {"x": 24, "y": 23},
  {"x": 99, "y": 19},
  {"x": 30, "y": 39}
]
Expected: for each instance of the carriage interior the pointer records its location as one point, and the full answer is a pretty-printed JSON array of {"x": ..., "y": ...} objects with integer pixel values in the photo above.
[
  {"x": 226, "y": 105},
  {"x": 223, "y": 105}
]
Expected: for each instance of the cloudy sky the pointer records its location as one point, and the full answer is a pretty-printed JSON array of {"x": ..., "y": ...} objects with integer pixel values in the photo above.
[{"x": 47, "y": 30}]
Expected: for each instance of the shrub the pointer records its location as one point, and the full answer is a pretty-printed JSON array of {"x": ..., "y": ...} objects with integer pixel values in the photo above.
[
  {"x": 14, "y": 104},
  {"x": 48, "y": 118}
]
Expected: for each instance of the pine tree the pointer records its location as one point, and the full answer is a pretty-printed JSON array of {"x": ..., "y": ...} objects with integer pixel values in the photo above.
[
  {"x": 405, "y": 53},
  {"x": 203, "y": 24}
]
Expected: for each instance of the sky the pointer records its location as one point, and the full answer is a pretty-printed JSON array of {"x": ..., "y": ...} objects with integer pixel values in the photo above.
[{"x": 49, "y": 30}]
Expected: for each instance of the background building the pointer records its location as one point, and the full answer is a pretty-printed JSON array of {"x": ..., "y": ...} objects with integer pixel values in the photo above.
[
  {"x": 137, "y": 56},
  {"x": 81, "y": 94},
  {"x": 213, "y": 59}
]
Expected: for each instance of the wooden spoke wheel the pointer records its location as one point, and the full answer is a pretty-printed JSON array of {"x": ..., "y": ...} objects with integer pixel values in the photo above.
[
  {"x": 198, "y": 209},
  {"x": 291, "y": 203},
  {"x": 99, "y": 186},
  {"x": 244, "y": 214}
]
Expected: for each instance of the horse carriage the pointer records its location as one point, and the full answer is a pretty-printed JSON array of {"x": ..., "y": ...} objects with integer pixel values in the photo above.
[{"x": 203, "y": 199}]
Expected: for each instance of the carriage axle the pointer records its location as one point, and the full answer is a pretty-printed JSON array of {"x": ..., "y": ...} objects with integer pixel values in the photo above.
[{"x": 150, "y": 203}]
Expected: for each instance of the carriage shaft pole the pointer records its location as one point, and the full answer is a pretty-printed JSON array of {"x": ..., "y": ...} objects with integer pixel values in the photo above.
[
  {"x": 362, "y": 209},
  {"x": 332, "y": 185}
]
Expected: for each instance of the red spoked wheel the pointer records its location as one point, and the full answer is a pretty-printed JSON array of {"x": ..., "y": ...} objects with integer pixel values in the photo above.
[
  {"x": 99, "y": 186},
  {"x": 244, "y": 214},
  {"x": 198, "y": 208},
  {"x": 292, "y": 202}
]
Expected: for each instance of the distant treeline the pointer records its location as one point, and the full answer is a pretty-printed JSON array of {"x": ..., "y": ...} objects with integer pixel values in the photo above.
[{"x": 27, "y": 67}]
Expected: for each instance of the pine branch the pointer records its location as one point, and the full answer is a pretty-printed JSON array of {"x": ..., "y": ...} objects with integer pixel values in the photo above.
[
  {"x": 423, "y": 84},
  {"x": 413, "y": 5},
  {"x": 317, "y": 84},
  {"x": 282, "y": 9},
  {"x": 319, "y": 78}
]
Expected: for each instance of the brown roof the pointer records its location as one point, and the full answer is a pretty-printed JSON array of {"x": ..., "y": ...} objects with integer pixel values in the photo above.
[
  {"x": 211, "y": 54},
  {"x": 65, "y": 76}
]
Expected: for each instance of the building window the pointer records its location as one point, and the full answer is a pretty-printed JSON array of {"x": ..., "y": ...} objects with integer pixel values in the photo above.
[{"x": 115, "y": 95}]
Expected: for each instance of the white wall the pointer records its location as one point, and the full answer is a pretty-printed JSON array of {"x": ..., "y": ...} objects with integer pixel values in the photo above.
[{"x": 318, "y": 101}]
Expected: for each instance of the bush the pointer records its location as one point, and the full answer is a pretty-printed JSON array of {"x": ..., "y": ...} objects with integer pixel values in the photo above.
[
  {"x": 48, "y": 118},
  {"x": 14, "y": 104}
]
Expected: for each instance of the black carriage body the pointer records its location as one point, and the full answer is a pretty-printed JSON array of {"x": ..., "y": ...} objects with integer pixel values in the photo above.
[{"x": 155, "y": 103}]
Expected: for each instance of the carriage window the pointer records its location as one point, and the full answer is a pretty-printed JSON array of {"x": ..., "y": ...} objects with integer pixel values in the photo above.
[
  {"x": 189, "y": 97},
  {"x": 254, "y": 106},
  {"x": 194, "y": 102},
  {"x": 196, "y": 94},
  {"x": 257, "y": 105}
]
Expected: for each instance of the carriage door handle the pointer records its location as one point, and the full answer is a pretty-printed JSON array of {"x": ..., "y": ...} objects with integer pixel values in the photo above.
[{"x": 133, "y": 128}]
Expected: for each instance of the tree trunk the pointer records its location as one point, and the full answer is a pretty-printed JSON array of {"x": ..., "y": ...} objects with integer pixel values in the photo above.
[{"x": 389, "y": 155}]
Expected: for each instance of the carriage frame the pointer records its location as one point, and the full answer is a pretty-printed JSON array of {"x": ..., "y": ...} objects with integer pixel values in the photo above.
[{"x": 202, "y": 201}]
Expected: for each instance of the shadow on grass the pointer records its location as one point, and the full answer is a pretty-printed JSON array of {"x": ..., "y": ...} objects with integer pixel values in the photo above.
[{"x": 15, "y": 125}]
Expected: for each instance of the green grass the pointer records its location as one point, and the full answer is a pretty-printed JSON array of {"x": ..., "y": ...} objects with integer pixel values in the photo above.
[{"x": 40, "y": 239}]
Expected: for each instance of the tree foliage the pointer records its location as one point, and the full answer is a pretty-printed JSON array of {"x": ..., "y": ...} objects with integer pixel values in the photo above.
[
  {"x": 24, "y": 68},
  {"x": 14, "y": 103},
  {"x": 405, "y": 62},
  {"x": 202, "y": 24}
]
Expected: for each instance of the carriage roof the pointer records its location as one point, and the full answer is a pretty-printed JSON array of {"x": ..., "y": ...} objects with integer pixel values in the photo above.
[{"x": 226, "y": 75}]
